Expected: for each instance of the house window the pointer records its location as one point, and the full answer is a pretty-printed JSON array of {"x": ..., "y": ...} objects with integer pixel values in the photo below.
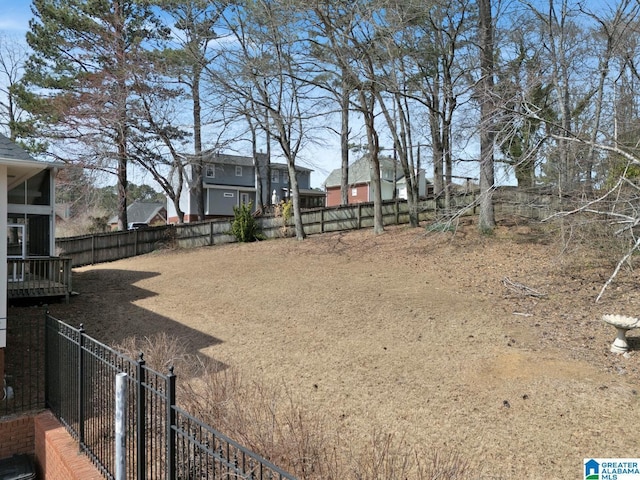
[
  {"x": 238, "y": 171},
  {"x": 354, "y": 192},
  {"x": 210, "y": 172},
  {"x": 285, "y": 177},
  {"x": 275, "y": 176}
]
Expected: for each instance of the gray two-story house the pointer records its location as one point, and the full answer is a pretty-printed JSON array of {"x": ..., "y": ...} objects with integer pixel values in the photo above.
[{"x": 233, "y": 180}]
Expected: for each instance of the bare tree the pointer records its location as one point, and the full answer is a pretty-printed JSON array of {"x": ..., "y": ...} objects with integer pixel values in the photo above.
[
  {"x": 155, "y": 139},
  {"x": 264, "y": 67},
  {"x": 526, "y": 104},
  {"x": 329, "y": 44},
  {"x": 441, "y": 39},
  {"x": 564, "y": 51},
  {"x": 486, "y": 221},
  {"x": 13, "y": 56},
  {"x": 194, "y": 26}
]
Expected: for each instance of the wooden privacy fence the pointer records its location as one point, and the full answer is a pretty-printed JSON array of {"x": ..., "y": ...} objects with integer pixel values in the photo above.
[{"x": 106, "y": 247}]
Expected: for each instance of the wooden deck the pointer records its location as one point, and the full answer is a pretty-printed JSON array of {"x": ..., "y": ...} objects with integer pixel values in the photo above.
[{"x": 39, "y": 277}]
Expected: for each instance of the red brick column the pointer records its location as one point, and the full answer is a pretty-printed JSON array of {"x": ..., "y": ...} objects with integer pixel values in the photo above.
[
  {"x": 16, "y": 437},
  {"x": 57, "y": 454}
]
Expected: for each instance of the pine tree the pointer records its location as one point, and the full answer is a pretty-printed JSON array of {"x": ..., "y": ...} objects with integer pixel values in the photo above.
[{"x": 80, "y": 83}]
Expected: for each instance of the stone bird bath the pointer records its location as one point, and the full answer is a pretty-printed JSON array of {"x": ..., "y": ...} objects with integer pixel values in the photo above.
[{"x": 622, "y": 324}]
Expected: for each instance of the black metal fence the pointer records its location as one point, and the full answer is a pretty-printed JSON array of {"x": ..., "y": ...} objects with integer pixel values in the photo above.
[
  {"x": 163, "y": 441},
  {"x": 23, "y": 388}
]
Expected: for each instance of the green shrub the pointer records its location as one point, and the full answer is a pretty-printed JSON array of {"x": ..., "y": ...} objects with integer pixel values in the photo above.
[{"x": 244, "y": 226}]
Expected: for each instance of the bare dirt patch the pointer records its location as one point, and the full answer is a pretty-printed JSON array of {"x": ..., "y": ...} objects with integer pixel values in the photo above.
[{"x": 403, "y": 332}]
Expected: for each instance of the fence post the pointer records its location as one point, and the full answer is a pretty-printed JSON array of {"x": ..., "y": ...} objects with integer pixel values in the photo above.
[
  {"x": 121, "y": 426},
  {"x": 141, "y": 416},
  {"x": 81, "y": 386},
  {"x": 211, "y": 233},
  {"x": 359, "y": 215},
  {"x": 47, "y": 355},
  {"x": 171, "y": 423},
  {"x": 93, "y": 249}
]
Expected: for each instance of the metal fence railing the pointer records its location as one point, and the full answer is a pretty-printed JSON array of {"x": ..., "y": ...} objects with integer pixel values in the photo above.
[
  {"x": 162, "y": 442},
  {"x": 23, "y": 388}
]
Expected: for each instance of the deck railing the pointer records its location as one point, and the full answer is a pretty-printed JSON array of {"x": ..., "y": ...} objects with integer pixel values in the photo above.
[{"x": 39, "y": 277}]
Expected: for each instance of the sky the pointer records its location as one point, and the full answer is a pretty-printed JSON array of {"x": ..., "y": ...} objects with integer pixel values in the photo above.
[
  {"x": 14, "y": 22},
  {"x": 15, "y": 16},
  {"x": 321, "y": 158}
]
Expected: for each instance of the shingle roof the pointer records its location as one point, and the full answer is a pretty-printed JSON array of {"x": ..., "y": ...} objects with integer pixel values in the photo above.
[
  {"x": 360, "y": 171},
  {"x": 10, "y": 150},
  {"x": 227, "y": 159},
  {"x": 143, "y": 211},
  {"x": 284, "y": 166},
  {"x": 140, "y": 212}
]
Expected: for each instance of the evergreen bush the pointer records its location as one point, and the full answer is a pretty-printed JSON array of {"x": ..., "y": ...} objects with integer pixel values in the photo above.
[{"x": 244, "y": 226}]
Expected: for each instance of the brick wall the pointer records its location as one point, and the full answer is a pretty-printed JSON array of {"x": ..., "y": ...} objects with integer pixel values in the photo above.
[
  {"x": 17, "y": 436},
  {"x": 56, "y": 454}
]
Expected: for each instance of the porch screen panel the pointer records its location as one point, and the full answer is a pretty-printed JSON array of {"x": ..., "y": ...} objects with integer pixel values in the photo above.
[
  {"x": 38, "y": 235},
  {"x": 35, "y": 191},
  {"x": 39, "y": 189}
]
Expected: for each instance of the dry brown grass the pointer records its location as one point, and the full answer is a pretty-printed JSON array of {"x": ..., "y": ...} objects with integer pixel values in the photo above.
[
  {"x": 274, "y": 424},
  {"x": 402, "y": 342}
]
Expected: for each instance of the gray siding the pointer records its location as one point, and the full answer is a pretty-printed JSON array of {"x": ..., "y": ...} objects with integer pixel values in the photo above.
[
  {"x": 218, "y": 203},
  {"x": 304, "y": 180},
  {"x": 226, "y": 175}
]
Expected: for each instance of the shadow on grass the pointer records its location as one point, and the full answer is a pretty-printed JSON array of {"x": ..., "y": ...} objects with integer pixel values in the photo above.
[
  {"x": 106, "y": 307},
  {"x": 632, "y": 341}
]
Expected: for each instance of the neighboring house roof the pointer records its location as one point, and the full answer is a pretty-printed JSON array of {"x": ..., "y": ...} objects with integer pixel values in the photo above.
[
  {"x": 9, "y": 150},
  {"x": 141, "y": 212},
  {"x": 226, "y": 159},
  {"x": 403, "y": 180},
  {"x": 284, "y": 166},
  {"x": 242, "y": 161},
  {"x": 360, "y": 171},
  {"x": 212, "y": 156}
]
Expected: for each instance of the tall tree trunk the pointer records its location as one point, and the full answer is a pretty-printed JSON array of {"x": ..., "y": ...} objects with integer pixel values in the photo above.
[
  {"x": 448, "y": 163},
  {"x": 374, "y": 150},
  {"x": 437, "y": 147},
  {"x": 268, "y": 153},
  {"x": 121, "y": 114},
  {"x": 401, "y": 147},
  {"x": 486, "y": 221},
  {"x": 344, "y": 140},
  {"x": 295, "y": 198},
  {"x": 198, "y": 169},
  {"x": 122, "y": 175},
  {"x": 258, "y": 167}
]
